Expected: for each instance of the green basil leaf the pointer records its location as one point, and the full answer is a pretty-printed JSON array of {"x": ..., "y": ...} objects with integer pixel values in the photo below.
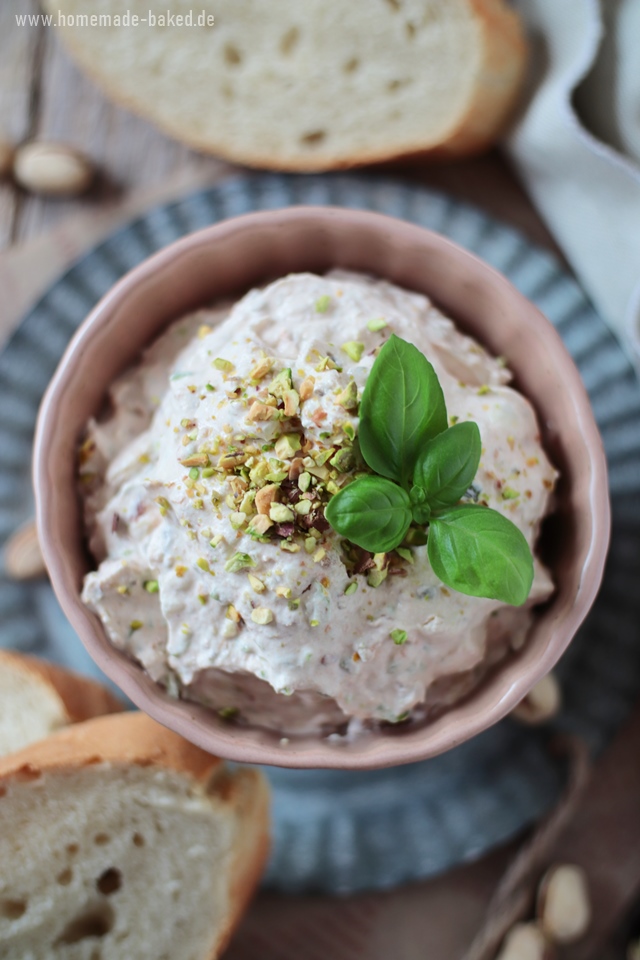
[
  {"x": 371, "y": 512},
  {"x": 402, "y": 407},
  {"x": 448, "y": 463},
  {"x": 480, "y": 552}
]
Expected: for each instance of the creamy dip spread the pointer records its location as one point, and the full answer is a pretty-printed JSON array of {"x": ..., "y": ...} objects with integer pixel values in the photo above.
[{"x": 204, "y": 487}]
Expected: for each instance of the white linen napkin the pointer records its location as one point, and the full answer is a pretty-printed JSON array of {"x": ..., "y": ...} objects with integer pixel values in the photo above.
[{"x": 577, "y": 145}]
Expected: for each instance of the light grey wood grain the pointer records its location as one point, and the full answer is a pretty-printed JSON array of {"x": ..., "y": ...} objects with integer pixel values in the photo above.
[
  {"x": 20, "y": 49},
  {"x": 128, "y": 151}
]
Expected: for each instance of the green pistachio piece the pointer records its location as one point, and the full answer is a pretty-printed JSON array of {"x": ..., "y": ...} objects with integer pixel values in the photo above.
[
  {"x": 353, "y": 349},
  {"x": 348, "y": 398},
  {"x": 239, "y": 561},
  {"x": 343, "y": 460},
  {"x": 287, "y": 446},
  {"x": 280, "y": 384}
]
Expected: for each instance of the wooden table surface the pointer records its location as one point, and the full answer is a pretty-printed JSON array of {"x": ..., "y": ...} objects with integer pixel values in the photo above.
[{"x": 44, "y": 96}]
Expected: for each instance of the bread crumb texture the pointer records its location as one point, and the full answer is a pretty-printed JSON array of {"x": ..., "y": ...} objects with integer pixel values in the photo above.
[
  {"x": 30, "y": 708},
  {"x": 314, "y": 85},
  {"x": 102, "y": 859},
  {"x": 37, "y": 698}
]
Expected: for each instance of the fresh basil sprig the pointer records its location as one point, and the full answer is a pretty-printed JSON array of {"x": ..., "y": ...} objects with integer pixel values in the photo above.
[{"x": 422, "y": 469}]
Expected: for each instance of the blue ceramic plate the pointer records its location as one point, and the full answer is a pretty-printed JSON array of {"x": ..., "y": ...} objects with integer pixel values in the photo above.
[{"x": 334, "y": 830}]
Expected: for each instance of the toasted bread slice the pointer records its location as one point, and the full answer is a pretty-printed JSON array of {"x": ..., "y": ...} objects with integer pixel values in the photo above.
[
  {"x": 308, "y": 86},
  {"x": 37, "y": 698},
  {"x": 120, "y": 839}
]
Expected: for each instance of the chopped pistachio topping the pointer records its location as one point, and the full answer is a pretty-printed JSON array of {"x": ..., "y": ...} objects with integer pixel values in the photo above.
[
  {"x": 203, "y": 564},
  {"x": 260, "y": 524},
  {"x": 323, "y": 303},
  {"x": 351, "y": 588},
  {"x": 232, "y": 614},
  {"x": 405, "y": 553},
  {"x": 304, "y": 481},
  {"x": 262, "y": 368},
  {"x": 344, "y": 460},
  {"x": 164, "y": 505},
  {"x": 306, "y": 388},
  {"x": 122, "y": 589},
  {"x": 291, "y": 403},
  {"x": 289, "y": 547},
  {"x": 261, "y": 411},
  {"x": 399, "y": 636},
  {"x": 353, "y": 349},
  {"x": 151, "y": 586},
  {"x": 224, "y": 365},
  {"x": 230, "y": 461},
  {"x": 280, "y": 513},
  {"x": 314, "y": 623},
  {"x": 216, "y": 540},
  {"x": 256, "y": 584},
  {"x": 378, "y": 323},
  {"x": 287, "y": 445},
  {"x": 484, "y": 389},
  {"x": 239, "y": 561},
  {"x": 237, "y": 519},
  {"x": 348, "y": 398},
  {"x": 281, "y": 383},
  {"x": 262, "y": 615},
  {"x": 283, "y": 592},
  {"x": 196, "y": 460},
  {"x": 135, "y": 625},
  {"x": 376, "y": 577},
  {"x": 510, "y": 494}
]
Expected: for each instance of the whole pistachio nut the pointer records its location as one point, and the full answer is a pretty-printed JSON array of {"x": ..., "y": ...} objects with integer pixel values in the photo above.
[
  {"x": 526, "y": 941},
  {"x": 541, "y": 703},
  {"x": 563, "y": 904},
  {"x": 52, "y": 169},
  {"x": 22, "y": 556}
]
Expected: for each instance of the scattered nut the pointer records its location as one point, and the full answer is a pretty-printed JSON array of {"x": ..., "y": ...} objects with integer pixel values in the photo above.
[
  {"x": 265, "y": 497},
  {"x": 6, "y": 158},
  {"x": 53, "y": 169},
  {"x": 525, "y": 941},
  {"x": 306, "y": 387},
  {"x": 541, "y": 703},
  {"x": 563, "y": 905},
  {"x": 262, "y": 615},
  {"x": 261, "y": 411},
  {"x": 22, "y": 556}
]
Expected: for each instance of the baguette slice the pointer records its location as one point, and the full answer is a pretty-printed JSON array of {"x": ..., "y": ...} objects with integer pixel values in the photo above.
[
  {"x": 313, "y": 85},
  {"x": 37, "y": 698},
  {"x": 119, "y": 839}
]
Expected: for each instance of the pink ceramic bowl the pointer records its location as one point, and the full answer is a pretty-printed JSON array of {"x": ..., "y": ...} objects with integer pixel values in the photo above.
[{"x": 226, "y": 260}]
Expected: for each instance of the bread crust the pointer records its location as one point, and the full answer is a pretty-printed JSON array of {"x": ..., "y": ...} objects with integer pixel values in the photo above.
[
  {"x": 129, "y": 738},
  {"x": 504, "y": 62},
  {"x": 82, "y": 698}
]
